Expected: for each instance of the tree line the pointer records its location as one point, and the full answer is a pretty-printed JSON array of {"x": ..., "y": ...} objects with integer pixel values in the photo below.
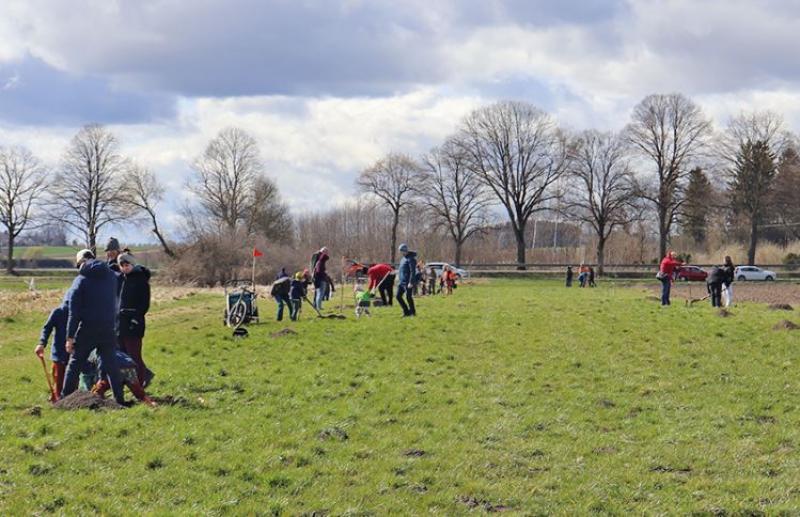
[{"x": 668, "y": 166}]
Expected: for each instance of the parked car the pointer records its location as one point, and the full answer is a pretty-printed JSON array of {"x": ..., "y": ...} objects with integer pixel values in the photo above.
[
  {"x": 438, "y": 266},
  {"x": 691, "y": 274},
  {"x": 743, "y": 273}
]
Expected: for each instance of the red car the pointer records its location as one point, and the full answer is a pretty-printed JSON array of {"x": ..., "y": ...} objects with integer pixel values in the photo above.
[{"x": 691, "y": 274}]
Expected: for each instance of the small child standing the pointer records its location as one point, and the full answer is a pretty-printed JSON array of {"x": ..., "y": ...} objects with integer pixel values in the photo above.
[
  {"x": 363, "y": 301},
  {"x": 297, "y": 291},
  {"x": 56, "y": 325}
]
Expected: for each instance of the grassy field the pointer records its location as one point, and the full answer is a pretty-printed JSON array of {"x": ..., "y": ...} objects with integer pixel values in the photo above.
[
  {"x": 59, "y": 252},
  {"x": 519, "y": 396}
]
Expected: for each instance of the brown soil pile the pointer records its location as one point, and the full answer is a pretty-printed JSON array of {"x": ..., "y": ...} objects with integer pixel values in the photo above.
[
  {"x": 282, "y": 333},
  {"x": 489, "y": 507},
  {"x": 85, "y": 400},
  {"x": 724, "y": 313},
  {"x": 786, "y": 325},
  {"x": 780, "y": 307}
]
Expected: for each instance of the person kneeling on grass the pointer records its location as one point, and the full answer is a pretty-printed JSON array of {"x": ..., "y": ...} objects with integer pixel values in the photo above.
[
  {"x": 56, "y": 324},
  {"x": 130, "y": 378}
]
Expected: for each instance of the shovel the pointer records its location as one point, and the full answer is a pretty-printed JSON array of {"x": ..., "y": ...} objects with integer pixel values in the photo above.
[
  {"x": 53, "y": 394},
  {"x": 320, "y": 315}
]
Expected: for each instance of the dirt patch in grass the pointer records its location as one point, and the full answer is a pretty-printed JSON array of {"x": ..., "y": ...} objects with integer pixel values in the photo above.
[
  {"x": 283, "y": 333},
  {"x": 85, "y": 400},
  {"x": 780, "y": 307},
  {"x": 667, "y": 468},
  {"x": 473, "y": 502},
  {"x": 414, "y": 453},
  {"x": 724, "y": 313},
  {"x": 333, "y": 433},
  {"x": 786, "y": 325}
]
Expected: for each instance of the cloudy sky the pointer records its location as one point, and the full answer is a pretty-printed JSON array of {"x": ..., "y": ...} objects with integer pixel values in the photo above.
[{"x": 328, "y": 86}]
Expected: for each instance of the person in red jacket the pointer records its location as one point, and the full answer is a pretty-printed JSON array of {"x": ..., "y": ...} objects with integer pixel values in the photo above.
[
  {"x": 382, "y": 277},
  {"x": 666, "y": 273}
]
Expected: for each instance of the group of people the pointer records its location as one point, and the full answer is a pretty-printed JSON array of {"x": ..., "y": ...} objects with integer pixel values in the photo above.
[
  {"x": 290, "y": 291},
  {"x": 719, "y": 282},
  {"x": 585, "y": 276},
  {"x": 98, "y": 329}
]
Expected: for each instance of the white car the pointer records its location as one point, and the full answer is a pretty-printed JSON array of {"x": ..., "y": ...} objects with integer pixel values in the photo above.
[
  {"x": 743, "y": 273},
  {"x": 438, "y": 266}
]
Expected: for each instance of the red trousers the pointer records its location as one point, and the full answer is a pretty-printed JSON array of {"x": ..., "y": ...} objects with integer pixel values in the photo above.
[{"x": 133, "y": 347}]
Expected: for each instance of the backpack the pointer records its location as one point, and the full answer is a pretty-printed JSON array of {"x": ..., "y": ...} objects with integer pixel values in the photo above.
[{"x": 280, "y": 287}]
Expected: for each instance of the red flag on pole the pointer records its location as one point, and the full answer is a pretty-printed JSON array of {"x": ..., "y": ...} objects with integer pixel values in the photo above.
[{"x": 257, "y": 253}]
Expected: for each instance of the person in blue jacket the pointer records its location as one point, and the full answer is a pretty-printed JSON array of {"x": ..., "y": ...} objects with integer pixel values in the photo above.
[
  {"x": 407, "y": 271},
  {"x": 56, "y": 325},
  {"x": 92, "y": 322}
]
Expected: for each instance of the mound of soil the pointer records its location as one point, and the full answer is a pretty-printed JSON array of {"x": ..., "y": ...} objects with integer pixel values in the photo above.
[
  {"x": 780, "y": 307},
  {"x": 414, "y": 452},
  {"x": 489, "y": 507},
  {"x": 333, "y": 433},
  {"x": 786, "y": 325},
  {"x": 724, "y": 313},
  {"x": 85, "y": 400},
  {"x": 284, "y": 332}
]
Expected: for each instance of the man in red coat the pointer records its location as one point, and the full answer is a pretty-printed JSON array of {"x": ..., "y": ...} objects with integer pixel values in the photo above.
[
  {"x": 382, "y": 277},
  {"x": 666, "y": 272}
]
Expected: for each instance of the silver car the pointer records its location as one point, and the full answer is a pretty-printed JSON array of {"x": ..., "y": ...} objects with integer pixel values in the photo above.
[
  {"x": 743, "y": 273},
  {"x": 439, "y": 266}
]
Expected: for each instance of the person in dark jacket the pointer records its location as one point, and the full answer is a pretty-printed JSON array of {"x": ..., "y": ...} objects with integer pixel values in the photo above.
[
  {"x": 569, "y": 276},
  {"x": 591, "y": 277},
  {"x": 297, "y": 291},
  {"x": 112, "y": 253},
  {"x": 727, "y": 284},
  {"x": 320, "y": 278},
  {"x": 281, "y": 288},
  {"x": 714, "y": 284},
  {"x": 56, "y": 325},
  {"x": 134, "y": 303},
  {"x": 91, "y": 322},
  {"x": 406, "y": 273}
]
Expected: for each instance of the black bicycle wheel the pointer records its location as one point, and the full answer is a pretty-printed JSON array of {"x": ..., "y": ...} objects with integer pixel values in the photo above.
[{"x": 237, "y": 313}]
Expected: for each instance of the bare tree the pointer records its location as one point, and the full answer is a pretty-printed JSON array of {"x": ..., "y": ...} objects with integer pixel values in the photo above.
[
  {"x": 392, "y": 180},
  {"x": 601, "y": 189},
  {"x": 669, "y": 131},
  {"x": 22, "y": 182},
  {"x": 225, "y": 176},
  {"x": 751, "y": 187},
  {"x": 88, "y": 191},
  {"x": 518, "y": 152},
  {"x": 454, "y": 194},
  {"x": 753, "y": 126},
  {"x": 143, "y": 192},
  {"x": 269, "y": 216}
]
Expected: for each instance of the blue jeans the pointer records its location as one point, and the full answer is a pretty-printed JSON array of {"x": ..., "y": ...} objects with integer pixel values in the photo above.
[
  {"x": 294, "y": 308},
  {"x": 319, "y": 293},
  {"x": 283, "y": 300},
  {"x": 666, "y": 285},
  {"x": 407, "y": 304},
  {"x": 77, "y": 362}
]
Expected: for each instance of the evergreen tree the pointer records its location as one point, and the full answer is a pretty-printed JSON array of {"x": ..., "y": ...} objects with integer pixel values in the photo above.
[
  {"x": 696, "y": 207},
  {"x": 751, "y": 185}
]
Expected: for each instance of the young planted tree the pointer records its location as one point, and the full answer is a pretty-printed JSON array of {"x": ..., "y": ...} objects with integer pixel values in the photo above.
[
  {"x": 751, "y": 186},
  {"x": 392, "y": 180},
  {"x": 225, "y": 178},
  {"x": 600, "y": 189},
  {"x": 668, "y": 131},
  {"x": 519, "y": 153},
  {"x": 454, "y": 194},
  {"x": 88, "y": 193},
  {"x": 697, "y": 205},
  {"x": 143, "y": 193},
  {"x": 22, "y": 182}
]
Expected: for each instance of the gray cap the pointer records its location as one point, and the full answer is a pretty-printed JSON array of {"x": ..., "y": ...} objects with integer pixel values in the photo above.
[
  {"x": 126, "y": 258},
  {"x": 402, "y": 248}
]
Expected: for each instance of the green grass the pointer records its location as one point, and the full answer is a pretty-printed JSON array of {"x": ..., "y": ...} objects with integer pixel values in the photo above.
[
  {"x": 520, "y": 394},
  {"x": 58, "y": 252}
]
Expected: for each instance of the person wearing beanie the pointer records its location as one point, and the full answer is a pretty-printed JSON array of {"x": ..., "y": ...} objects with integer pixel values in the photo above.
[
  {"x": 134, "y": 302},
  {"x": 112, "y": 253},
  {"x": 407, "y": 271}
]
